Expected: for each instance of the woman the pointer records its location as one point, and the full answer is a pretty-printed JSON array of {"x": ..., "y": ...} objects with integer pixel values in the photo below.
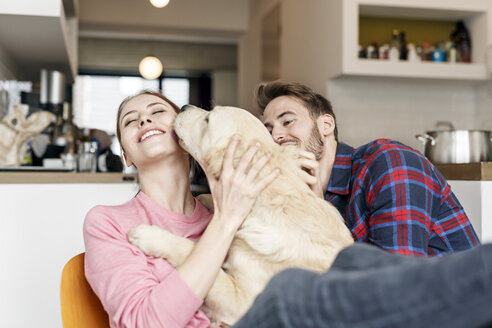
[{"x": 141, "y": 291}]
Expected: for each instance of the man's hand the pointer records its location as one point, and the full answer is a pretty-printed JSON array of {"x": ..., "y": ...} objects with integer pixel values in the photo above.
[{"x": 308, "y": 163}]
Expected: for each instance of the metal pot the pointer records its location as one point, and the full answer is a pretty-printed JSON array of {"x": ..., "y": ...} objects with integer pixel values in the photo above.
[{"x": 457, "y": 146}]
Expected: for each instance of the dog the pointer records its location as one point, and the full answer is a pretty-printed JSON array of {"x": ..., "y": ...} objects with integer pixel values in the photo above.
[
  {"x": 16, "y": 129},
  {"x": 288, "y": 226}
]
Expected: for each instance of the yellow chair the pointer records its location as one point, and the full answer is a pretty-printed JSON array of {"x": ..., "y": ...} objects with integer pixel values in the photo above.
[{"x": 80, "y": 307}]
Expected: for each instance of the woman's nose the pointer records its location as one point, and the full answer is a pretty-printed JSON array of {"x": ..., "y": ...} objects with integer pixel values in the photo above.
[{"x": 145, "y": 120}]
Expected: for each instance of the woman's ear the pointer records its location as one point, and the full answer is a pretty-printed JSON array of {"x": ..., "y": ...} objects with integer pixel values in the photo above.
[{"x": 326, "y": 124}]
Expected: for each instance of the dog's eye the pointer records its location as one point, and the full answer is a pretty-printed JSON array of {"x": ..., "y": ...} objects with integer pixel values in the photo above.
[
  {"x": 14, "y": 121},
  {"x": 206, "y": 119}
]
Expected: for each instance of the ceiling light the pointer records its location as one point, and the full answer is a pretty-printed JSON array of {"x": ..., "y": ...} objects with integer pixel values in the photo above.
[
  {"x": 150, "y": 67},
  {"x": 159, "y": 3}
]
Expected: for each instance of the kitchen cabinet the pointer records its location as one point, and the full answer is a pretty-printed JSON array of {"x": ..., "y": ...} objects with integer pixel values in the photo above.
[
  {"x": 40, "y": 34},
  {"x": 344, "y": 17},
  {"x": 475, "y": 198},
  {"x": 42, "y": 229},
  {"x": 472, "y": 185}
]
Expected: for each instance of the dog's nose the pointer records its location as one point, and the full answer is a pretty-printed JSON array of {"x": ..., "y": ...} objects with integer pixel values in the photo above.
[{"x": 185, "y": 107}]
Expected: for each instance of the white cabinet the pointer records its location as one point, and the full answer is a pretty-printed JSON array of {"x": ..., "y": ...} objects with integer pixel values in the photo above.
[
  {"x": 475, "y": 198},
  {"x": 40, "y": 34},
  {"x": 344, "y": 15},
  {"x": 42, "y": 229}
]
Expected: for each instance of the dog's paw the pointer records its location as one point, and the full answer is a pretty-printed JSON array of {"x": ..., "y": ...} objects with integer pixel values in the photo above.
[{"x": 150, "y": 239}]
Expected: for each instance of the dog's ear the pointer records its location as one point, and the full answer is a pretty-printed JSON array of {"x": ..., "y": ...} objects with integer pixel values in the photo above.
[{"x": 214, "y": 159}]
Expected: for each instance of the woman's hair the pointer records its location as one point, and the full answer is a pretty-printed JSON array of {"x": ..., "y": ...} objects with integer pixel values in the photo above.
[
  {"x": 316, "y": 104},
  {"x": 127, "y": 99}
]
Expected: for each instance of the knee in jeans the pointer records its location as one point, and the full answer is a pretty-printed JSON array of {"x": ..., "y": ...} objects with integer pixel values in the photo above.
[{"x": 286, "y": 280}]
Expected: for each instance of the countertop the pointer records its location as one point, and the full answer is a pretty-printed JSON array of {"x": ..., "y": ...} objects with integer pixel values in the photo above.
[
  {"x": 472, "y": 171},
  {"x": 65, "y": 177},
  {"x": 14, "y": 177}
]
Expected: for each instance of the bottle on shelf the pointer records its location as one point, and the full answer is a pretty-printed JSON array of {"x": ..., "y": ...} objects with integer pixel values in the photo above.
[
  {"x": 462, "y": 40},
  {"x": 403, "y": 46},
  {"x": 26, "y": 154},
  {"x": 412, "y": 54},
  {"x": 86, "y": 135},
  {"x": 374, "y": 54},
  {"x": 394, "y": 50},
  {"x": 362, "y": 52},
  {"x": 452, "y": 54},
  {"x": 427, "y": 49},
  {"x": 383, "y": 51}
]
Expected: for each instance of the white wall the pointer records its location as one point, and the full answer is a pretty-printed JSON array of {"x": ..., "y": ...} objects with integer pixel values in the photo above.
[
  {"x": 249, "y": 54},
  {"x": 8, "y": 70},
  {"x": 224, "y": 87},
  {"x": 369, "y": 108}
]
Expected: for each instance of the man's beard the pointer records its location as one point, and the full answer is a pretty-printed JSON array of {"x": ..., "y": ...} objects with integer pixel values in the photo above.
[{"x": 315, "y": 143}]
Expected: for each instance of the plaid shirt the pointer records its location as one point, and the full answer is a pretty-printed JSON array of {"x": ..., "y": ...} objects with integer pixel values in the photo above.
[{"x": 391, "y": 196}]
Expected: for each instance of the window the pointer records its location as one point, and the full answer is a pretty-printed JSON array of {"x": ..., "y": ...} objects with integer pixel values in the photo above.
[{"x": 96, "y": 97}]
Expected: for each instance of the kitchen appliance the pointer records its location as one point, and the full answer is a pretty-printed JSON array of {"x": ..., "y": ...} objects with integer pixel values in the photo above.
[{"x": 457, "y": 146}]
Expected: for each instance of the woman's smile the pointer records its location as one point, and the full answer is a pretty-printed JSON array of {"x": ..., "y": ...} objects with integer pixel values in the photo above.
[{"x": 149, "y": 133}]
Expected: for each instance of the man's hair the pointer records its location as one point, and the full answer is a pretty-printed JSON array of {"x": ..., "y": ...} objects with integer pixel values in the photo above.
[{"x": 316, "y": 104}]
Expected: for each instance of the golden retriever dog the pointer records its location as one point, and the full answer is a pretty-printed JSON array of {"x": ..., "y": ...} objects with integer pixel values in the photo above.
[{"x": 289, "y": 226}]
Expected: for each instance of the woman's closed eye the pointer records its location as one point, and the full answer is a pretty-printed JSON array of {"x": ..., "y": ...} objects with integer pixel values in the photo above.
[
  {"x": 158, "y": 111},
  {"x": 129, "y": 122}
]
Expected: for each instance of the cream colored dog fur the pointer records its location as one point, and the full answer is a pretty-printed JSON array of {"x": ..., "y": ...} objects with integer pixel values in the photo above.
[{"x": 289, "y": 226}]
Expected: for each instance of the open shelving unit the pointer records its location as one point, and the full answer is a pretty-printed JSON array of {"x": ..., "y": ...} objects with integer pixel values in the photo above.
[{"x": 475, "y": 13}]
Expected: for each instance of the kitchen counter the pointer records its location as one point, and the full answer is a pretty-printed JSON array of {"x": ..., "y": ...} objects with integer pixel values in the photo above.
[
  {"x": 66, "y": 177},
  {"x": 472, "y": 185},
  {"x": 472, "y": 171},
  {"x": 42, "y": 217},
  {"x": 78, "y": 178}
]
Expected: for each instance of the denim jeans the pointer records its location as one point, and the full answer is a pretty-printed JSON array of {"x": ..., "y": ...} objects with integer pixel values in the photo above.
[{"x": 369, "y": 287}]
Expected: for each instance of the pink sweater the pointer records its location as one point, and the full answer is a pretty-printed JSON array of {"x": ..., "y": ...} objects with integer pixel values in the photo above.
[{"x": 138, "y": 290}]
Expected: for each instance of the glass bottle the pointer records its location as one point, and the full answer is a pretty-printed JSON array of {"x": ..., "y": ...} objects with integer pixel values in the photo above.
[
  {"x": 403, "y": 46},
  {"x": 394, "y": 50}
]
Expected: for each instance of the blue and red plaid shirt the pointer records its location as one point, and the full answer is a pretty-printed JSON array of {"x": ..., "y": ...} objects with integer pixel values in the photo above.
[{"x": 391, "y": 196}]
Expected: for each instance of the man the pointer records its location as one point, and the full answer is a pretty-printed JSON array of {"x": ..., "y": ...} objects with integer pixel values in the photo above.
[{"x": 389, "y": 194}]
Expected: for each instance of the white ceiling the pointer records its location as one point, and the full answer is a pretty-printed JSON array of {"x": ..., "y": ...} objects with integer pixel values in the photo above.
[{"x": 220, "y": 21}]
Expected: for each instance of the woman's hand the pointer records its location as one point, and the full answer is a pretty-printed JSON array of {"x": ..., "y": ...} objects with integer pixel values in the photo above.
[
  {"x": 236, "y": 189},
  {"x": 308, "y": 163}
]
